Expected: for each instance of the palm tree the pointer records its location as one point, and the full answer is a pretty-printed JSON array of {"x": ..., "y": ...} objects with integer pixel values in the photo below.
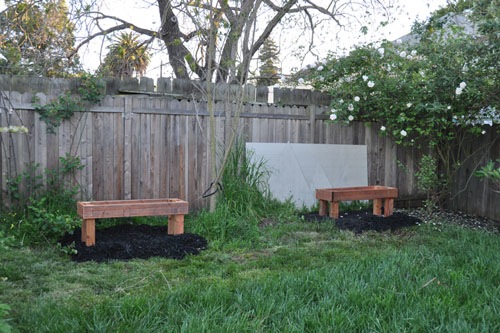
[{"x": 127, "y": 57}]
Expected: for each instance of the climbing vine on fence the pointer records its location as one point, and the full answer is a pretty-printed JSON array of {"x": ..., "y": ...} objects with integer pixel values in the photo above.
[{"x": 90, "y": 91}]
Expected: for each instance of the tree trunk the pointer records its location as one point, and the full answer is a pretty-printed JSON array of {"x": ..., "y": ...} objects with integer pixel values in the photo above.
[{"x": 172, "y": 36}]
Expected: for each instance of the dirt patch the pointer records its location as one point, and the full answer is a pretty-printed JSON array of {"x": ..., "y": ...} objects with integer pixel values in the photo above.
[{"x": 128, "y": 241}]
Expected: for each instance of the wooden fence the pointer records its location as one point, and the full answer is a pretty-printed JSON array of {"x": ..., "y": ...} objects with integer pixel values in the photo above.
[
  {"x": 137, "y": 146},
  {"x": 167, "y": 87}
]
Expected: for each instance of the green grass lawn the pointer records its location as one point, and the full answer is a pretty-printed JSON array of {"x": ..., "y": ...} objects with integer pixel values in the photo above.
[{"x": 299, "y": 277}]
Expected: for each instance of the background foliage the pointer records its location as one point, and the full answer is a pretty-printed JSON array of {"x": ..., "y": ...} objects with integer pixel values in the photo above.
[{"x": 36, "y": 38}]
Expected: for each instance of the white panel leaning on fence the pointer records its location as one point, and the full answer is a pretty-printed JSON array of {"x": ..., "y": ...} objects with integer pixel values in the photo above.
[{"x": 297, "y": 170}]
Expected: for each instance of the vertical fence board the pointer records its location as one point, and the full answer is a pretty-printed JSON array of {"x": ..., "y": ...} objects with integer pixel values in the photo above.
[
  {"x": 164, "y": 161},
  {"x": 145, "y": 167},
  {"x": 108, "y": 150},
  {"x": 126, "y": 105},
  {"x": 118, "y": 155},
  {"x": 97, "y": 157}
]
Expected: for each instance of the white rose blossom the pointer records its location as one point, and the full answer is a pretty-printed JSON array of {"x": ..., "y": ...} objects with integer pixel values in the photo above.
[
  {"x": 403, "y": 133},
  {"x": 365, "y": 77},
  {"x": 301, "y": 81},
  {"x": 320, "y": 68},
  {"x": 350, "y": 118},
  {"x": 462, "y": 85},
  {"x": 333, "y": 116},
  {"x": 350, "y": 107},
  {"x": 458, "y": 91},
  {"x": 382, "y": 128},
  {"x": 371, "y": 84},
  {"x": 356, "y": 98}
]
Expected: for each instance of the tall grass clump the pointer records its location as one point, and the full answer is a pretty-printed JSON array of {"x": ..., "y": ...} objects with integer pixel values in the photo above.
[{"x": 244, "y": 200}]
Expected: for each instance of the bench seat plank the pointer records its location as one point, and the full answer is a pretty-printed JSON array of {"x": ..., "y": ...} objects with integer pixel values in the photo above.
[
  {"x": 382, "y": 196},
  {"x": 89, "y": 211}
]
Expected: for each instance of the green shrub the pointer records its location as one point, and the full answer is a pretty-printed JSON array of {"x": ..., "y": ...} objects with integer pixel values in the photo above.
[
  {"x": 42, "y": 210},
  {"x": 490, "y": 172},
  {"x": 43, "y": 223},
  {"x": 429, "y": 181},
  {"x": 5, "y": 240}
]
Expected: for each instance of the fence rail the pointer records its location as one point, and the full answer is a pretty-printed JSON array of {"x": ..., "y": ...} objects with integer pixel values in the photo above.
[{"x": 141, "y": 146}]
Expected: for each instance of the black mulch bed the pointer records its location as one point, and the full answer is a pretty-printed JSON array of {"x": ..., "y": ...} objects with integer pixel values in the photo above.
[
  {"x": 128, "y": 241},
  {"x": 360, "y": 221}
]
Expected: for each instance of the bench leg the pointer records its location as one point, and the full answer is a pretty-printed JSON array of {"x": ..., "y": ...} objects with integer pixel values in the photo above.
[
  {"x": 388, "y": 206},
  {"x": 377, "y": 207},
  {"x": 176, "y": 224},
  {"x": 323, "y": 205},
  {"x": 334, "y": 209},
  {"x": 88, "y": 232}
]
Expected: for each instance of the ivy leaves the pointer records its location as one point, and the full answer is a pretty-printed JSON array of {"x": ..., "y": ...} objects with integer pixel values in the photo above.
[{"x": 65, "y": 105}]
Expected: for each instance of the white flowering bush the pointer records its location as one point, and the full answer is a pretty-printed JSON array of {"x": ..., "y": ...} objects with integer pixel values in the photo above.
[
  {"x": 423, "y": 94},
  {"x": 427, "y": 94}
]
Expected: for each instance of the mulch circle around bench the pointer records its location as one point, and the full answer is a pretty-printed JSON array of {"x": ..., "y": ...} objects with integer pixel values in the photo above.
[
  {"x": 130, "y": 241},
  {"x": 361, "y": 221}
]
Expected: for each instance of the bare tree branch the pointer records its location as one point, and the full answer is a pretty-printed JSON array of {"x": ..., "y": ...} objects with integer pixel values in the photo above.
[{"x": 104, "y": 32}]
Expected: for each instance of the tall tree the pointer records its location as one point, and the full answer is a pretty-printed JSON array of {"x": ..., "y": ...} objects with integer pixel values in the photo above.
[
  {"x": 36, "y": 37},
  {"x": 238, "y": 27},
  {"x": 268, "y": 69},
  {"x": 127, "y": 56}
]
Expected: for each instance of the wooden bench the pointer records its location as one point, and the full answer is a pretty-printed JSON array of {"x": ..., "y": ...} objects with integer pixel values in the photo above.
[
  {"x": 379, "y": 194},
  {"x": 89, "y": 211}
]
